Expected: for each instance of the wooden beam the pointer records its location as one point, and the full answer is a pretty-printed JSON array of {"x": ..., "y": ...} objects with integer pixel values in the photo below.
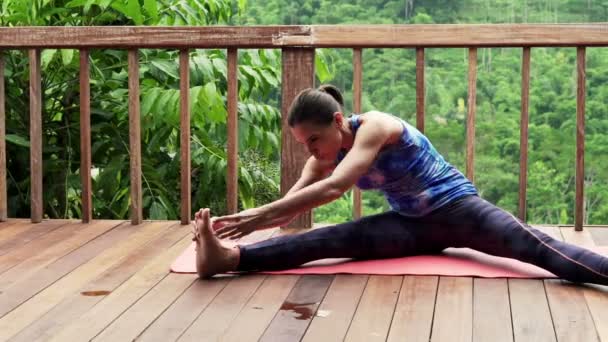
[
  {"x": 357, "y": 89},
  {"x": 232, "y": 176},
  {"x": 471, "y": 114},
  {"x": 420, "y": 89},
  {"x": 298, "y": 73},
  {"x": 135, "y": 138},
  {"x": 523, "y": 143},
  {"x": 3, "y": 201},
  {"x": 345, "y": 36},
  {"x": 580, "y": 140},
  {"x": 85, "y": 137},
  {"x": 451, "y": 35},
  {"x": 128, "y": 37},
  {"x": 35, "y": 136},
  {"x": 184, "y": 142}
]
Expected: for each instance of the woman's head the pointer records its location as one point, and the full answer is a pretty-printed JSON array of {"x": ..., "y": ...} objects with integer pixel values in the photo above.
[{"x": 316, "y": 120}]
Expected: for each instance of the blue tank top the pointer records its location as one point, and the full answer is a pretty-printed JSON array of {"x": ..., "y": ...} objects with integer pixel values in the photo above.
[{"x": 411, "y": 174}]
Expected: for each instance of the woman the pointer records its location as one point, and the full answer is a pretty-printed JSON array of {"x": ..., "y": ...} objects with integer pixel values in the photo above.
[{"x": 434, "y": 206}]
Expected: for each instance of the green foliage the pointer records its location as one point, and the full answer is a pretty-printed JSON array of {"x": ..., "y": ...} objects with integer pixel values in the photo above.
[
  {"x": 259, "y": 118},
  {"x": 389, "y": 85}
]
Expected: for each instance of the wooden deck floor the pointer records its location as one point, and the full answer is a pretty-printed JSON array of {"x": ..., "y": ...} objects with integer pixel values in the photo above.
[{"x": 108, "y": 280}]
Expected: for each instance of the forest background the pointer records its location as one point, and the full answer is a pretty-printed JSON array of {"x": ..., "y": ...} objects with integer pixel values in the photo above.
[{"x": 388, "y": 85}]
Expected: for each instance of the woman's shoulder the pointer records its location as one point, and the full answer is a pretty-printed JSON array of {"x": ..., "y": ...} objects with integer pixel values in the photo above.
[{"x": 389, "y": 123}]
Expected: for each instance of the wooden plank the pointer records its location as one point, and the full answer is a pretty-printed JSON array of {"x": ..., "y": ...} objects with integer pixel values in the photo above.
[
  {"x": 295, "y": 314},
  {"x": 216, "y": 318},
  {"x": 596, "y": 296},
  {"x": 93, "y": 322},
  {"x": 337, "y": 308},
  {"x": 572, "y": 320},
  {"x": 22, "y": 234},
  {"x": 135, "y": 138},
  {"x": 552, "y": 231},
  {"x": 116, "y": 37},
  {"x": 420, "y": 89},
  {"x": 357, "y": 89},
  {"x": 599, "y": 235},
  {"x": 471, "y": 114},
  {"x": 454, "y": 300},
  {"x": 253, "y": 319},
  {"x": 374, "y": 314},
  {"x": 530, "y": 322},
  {"x": 467, "y": 35},
  {"x": 580, "y": 238},
  {"x": 12, "y": 227},
  {"x": 18, "y": 288},
  {"x": 491, "y": 310},
  {"x": 174, "y": 321},
  {"x": 9, "y": 229},
  {"x": 171, "y": 324},
  {"x": 232, "y": 97},
  {"x": 81, "y": 301},
  {"x": 579, "y": 213},
  {"x": 29, "y": 258},
  {"x": 571, "y": 317},
  {"x": 85, "y": 137},
  {"x": 35, "y": 137},
  {"x": 523, "y": 136},
  {"x": 413, "y": 316},
  {"x": 136, "y": 318},
  {"x": 24, "y": 313},
  {"x": 3, "y": 202},
  {"x": 348, "y": 36},
  {"x": 185, "y": 162},
  {"x": 298, "y": 70}
]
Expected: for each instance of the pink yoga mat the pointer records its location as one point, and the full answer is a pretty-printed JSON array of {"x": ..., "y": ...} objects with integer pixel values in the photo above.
[{"x": 453, "y": 262}]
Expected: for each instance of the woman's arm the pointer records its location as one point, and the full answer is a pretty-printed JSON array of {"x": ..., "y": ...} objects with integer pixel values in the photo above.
[
  {"x": 313, "y": 171},
  {"x": 370, "y": 138}
]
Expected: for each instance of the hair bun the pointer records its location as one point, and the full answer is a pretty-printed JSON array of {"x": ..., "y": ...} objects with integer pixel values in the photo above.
[{"x": 334, "y": 92}]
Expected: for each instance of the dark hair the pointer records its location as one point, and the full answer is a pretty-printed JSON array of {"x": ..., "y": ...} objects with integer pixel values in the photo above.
[{"x": 315, "y": 105}]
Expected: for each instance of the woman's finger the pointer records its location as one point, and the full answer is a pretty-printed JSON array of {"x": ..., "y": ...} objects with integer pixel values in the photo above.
[
  {"x": 226, "y": 227},
  {"x": 237, "y": 236},
  {"x": 228, "y": 233}
]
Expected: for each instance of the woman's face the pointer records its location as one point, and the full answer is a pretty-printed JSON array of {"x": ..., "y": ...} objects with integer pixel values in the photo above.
[{"x": 323, "y": 142}]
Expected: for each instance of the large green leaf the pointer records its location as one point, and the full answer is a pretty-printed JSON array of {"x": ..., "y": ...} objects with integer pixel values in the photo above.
[{"x": 17, "y": 140}]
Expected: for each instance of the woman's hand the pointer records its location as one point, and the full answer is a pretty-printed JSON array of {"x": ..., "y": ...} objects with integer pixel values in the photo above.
[{"x": 238, "y": 225}]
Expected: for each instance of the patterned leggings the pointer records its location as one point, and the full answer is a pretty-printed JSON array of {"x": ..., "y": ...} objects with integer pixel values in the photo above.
[{"x": 467, "y": 222}]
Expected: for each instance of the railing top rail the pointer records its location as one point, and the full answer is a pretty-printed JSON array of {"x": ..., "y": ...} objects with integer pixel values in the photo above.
[{"x": 340, "y": 36}]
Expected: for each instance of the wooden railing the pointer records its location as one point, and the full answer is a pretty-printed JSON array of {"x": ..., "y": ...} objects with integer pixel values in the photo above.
[{"x": 298, "y": 45}]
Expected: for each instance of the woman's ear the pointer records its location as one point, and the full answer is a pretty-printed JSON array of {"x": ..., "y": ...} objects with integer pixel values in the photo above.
[{"x": 338, "y": 118}]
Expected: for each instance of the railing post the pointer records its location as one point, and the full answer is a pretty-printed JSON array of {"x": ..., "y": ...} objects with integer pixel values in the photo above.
[
  {"x": 85, "y": 137},
  {"x": 35, "y": 136},
  {"x": 470, "y": 170},
  {"x": 297, "y": 74},
  {"x": 523, "y": 144},
  {"x": 580, "y": 140},
  {"x": 357, "y": 85},
  {"x": 232, "y": 176},
  {"x": 3, "y": 202},
  {"x": 135, "y": 138},
  {"x": 184, "y": 107},
  {"x": 420, "y": 89}
]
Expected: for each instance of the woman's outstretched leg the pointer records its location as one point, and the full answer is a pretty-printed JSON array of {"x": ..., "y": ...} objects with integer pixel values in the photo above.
[
  {"x": 500, "y": 233},
  {"x": 385, "y": 235}
]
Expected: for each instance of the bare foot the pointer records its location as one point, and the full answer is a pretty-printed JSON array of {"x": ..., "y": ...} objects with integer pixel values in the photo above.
[{"x": 211, "y": 256}]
